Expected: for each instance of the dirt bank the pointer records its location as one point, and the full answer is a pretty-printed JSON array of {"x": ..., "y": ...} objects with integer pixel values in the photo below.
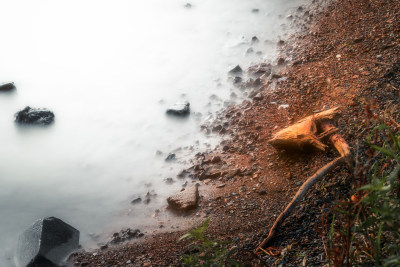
[{"x": 347, "y": 55}]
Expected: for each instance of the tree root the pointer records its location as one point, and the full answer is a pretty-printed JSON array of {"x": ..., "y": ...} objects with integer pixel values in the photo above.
[{"x": 296, "y": 199}]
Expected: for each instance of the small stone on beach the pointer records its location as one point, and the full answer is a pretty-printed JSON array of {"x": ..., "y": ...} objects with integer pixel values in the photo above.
[{"x": 7, "y": 87}]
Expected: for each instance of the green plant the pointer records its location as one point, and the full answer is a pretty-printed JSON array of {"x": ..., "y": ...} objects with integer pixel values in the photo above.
[
  {"x": 204, "y": 251},
  {"x": 365, "y": 228}
]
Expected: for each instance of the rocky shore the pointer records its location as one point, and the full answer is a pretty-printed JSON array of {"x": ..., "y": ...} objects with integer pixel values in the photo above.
[{"x": 346, "y": 55}]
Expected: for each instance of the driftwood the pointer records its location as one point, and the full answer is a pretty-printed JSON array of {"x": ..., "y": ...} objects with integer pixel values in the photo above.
[
  {"x": 303, "y": 134},
  {"x": 293, "y": 137}
]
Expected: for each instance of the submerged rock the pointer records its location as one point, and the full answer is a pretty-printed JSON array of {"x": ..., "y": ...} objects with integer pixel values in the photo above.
[
  {"x": 34, "y": 116},
  {"x": 236, "y": 70},
  {"x": 179, "y": 109},
  {"x": 237, "y": 79},
  {"x": 185, "y": 200},
  {"x": 7, "y": 86},
  {"x": 250, "y": 50},
  {"x": 254, "y": 39},
  {"x": 136, "y": 200},
  {"x": 169, "y": 180},
  {"x": 171, "y": 156},
  {"x": 47, "y": 242},
  {"x": 261, "y": 69}
]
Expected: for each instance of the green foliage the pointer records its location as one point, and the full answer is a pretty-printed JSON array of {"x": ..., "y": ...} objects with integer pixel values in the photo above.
[
  {"x": 366, "y": 228},
  {"x": 206, "y": 252}
]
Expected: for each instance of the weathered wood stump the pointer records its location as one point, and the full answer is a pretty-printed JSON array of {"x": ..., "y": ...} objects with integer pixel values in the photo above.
[{"x": 302, "y": 135}]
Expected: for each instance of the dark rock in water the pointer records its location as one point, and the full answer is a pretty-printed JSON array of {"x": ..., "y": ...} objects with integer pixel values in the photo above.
[
  {"x": 171, "y": 156},
  {"x": 188, "y": 5},
  {"x": 34, "y": 116},
  {"x": 7, "y": 87},
  {"x": 255, "y": 10},
  {"x": 169, "y": 180},
  {"x": 179, "y": 109},
  {"x": 136, "y": 200},
  {"x": 237, "y": 79},
  {"x": 41, "y": 262},
  {"x": 254, "y": 39},
  {"x": 261, "y": 69},
  {"x": 249, "y": 50},
  {"x": 236, "y": 70},
  {"x": 148, "y": 197},
  {"x": 46, "y": 243}
]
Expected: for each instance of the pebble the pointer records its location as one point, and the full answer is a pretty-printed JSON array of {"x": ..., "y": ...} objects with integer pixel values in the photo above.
[
  {"x": 254, "y": 39},
  {"x": 249, "y": 50},
  {"x": 136, "y": 200},
  {"x": 169, "y": 180},
  {"x": 171, "y": 156}
]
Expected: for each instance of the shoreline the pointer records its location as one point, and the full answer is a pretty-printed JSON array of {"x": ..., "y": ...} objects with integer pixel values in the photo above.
[{"x": 335, "y": 62}]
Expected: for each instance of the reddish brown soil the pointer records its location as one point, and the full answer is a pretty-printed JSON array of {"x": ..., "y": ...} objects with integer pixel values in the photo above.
[{"x": 345, "y": 56}]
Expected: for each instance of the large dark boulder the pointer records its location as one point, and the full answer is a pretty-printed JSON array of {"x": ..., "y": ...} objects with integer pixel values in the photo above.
[
  {"x": 47, "y": 242},
  {"x": 34, "y": 116},
  {"x": 7, "y": 87},
  {"x": 179, "y": 109}
]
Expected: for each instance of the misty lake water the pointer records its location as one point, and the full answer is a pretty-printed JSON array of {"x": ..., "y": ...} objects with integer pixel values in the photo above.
[{"x": 109, "y": 70}]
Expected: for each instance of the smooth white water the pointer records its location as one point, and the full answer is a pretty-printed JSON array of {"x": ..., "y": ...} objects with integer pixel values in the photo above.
[{"x": 108, "y": 70}]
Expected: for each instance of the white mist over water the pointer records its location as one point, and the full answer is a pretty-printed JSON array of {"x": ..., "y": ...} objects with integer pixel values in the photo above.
[{"x": 108, "y": 70}]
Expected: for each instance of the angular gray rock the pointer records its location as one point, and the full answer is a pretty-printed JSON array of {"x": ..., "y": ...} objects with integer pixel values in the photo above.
[
  {"x": 236, "y": 70},
  {"x": 47, "y": 242},
  {"x": 7, "y": 86},
  {"x": 179, "y": 109},
  {"x": 185, "y": 200},
  {"x": 34, "y": 116}
]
